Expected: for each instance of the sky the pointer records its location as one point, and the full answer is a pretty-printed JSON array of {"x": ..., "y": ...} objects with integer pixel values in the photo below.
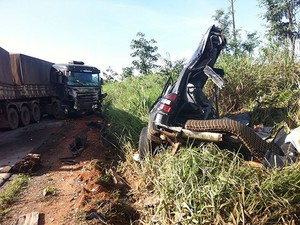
[{"x": 99, "y": 32}]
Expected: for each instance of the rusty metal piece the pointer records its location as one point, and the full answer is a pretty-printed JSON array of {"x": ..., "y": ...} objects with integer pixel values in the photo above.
[
  {"x": 205, "y": 136},
  {"x": 175, "y": 145}
]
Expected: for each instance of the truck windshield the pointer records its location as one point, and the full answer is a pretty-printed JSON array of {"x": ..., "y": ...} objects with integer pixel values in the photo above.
[{"x": 83, "y": 79}]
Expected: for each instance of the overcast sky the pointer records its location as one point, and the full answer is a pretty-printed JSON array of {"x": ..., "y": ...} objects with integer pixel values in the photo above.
[{"x": 99, "y": 32}]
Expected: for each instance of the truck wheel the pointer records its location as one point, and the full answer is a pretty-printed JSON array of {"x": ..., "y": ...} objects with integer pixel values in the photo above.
[
  {"x": 36, "y": 112},
  {"x": 25, "y": 115},
  {"x": 13, "y": 118},
  {"x": 146, "y": 146},
  {"x": 57, "y": 112}
]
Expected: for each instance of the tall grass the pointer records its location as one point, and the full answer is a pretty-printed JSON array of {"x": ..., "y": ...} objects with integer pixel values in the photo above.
[
  {"x": 271, "y": 81},
  {"x": 204, "y": 185},
  {"x": 128, "y": 103},
  {"x": 207, "y": 186}
]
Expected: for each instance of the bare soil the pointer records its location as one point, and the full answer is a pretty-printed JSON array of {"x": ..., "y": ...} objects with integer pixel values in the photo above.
[{"x": 76, "y": 190}]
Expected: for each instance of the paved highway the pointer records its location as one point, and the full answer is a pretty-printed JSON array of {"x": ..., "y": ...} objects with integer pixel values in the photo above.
[{"x": 15, "y": 144}]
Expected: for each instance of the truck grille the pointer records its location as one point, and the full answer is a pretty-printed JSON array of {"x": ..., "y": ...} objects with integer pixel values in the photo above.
[{"x": 85, "y": 100}]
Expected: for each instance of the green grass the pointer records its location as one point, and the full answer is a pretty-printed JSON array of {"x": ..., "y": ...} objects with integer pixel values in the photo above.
[
  {"x": 128, "y": 103},
  {"x": 204, "y": 185},
  {"x": 10, "y": 193},
  {"x": 268, "y": 82}
]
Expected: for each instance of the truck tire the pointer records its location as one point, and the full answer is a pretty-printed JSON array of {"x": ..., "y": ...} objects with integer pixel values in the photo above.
[
  {"x": 57, "y": 112},
  {"x": 13, "y": 118},
  {"x": 25, "y": 116},
  {"x": 36, "y": 113}
]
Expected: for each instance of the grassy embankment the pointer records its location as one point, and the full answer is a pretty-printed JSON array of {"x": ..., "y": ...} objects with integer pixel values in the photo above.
[{"x": 204, "y": 185}]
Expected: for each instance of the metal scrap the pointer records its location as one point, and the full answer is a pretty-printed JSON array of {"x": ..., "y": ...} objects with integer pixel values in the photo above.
[
  {"x": 29, "y": 164},
  {"x": 79, "y": 144},
  {"x": 98, "y": 216}
]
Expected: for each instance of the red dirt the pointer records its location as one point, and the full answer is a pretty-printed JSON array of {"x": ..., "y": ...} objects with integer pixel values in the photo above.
[{"x": 76, "y": 193}]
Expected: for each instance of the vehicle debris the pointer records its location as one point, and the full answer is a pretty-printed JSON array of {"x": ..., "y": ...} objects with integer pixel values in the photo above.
[
  {"x": 29, "y": 164},
  {"x": 4, "y": 177},
  {"x": 79, "y": 144},
  {"x": 186, "y": 110},
  {"x": 101, "y": 125},
  {"x": 69, "y": 161},
  {"x": 5, "y": 169},
  {"x": 263, "y": 131},
  {"x": 294, "y": 138},
  {"x": 96, "y": 215},
  {"x": 29, "y": 219},
  {"x": 285, "y": 142}
]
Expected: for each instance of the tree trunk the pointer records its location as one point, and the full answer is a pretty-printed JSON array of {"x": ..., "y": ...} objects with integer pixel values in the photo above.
[{"x": 233, "y": 26}]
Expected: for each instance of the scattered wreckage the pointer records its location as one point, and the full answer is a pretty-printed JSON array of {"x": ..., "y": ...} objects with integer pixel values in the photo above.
[{"x": 183, "y": 111}]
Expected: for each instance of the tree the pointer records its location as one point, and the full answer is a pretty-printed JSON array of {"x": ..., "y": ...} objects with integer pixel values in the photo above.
[
  {"x": 127, "y": 72},
  {"x": 146, "y": 53},
  {"x": 251, "y": 42},
  {"x": 234, "y": 31},
  {"x": 224, "y": 22},
  {"x": 110, "y": 74},
  {"x": 235, "y": 44},
  {"x": 171, "y": 68},
  {"x": 281, "y": 16}
]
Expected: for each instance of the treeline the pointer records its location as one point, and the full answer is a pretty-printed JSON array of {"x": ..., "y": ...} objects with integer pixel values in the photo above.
[{"x": 281, "y": 21}]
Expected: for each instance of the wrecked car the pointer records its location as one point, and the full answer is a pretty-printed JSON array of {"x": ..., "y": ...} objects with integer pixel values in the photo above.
[{"x": 183, "y": 111}]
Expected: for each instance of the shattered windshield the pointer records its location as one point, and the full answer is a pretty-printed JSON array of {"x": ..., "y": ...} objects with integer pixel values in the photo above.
[{"x": 83, "y": 79}]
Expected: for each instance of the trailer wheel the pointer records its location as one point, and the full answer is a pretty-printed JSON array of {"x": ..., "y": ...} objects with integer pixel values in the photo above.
[
  {"x": 13, "y": 118},
  {"x": 36, "y": 112},
  {"x": 25, "y": 115}
]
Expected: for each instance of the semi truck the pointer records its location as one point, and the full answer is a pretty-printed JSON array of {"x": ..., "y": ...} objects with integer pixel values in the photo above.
[{"x": 31, "y": 87}]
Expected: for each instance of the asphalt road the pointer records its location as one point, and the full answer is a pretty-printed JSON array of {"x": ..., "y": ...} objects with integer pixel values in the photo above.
[{"x": 15, "y": 144}]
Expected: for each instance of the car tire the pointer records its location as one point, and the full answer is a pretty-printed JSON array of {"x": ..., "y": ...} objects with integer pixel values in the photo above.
[{"x": 146, "y": 146}]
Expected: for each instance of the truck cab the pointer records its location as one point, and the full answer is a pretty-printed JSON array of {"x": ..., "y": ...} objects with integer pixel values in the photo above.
[{"x": 78, "y": 87}]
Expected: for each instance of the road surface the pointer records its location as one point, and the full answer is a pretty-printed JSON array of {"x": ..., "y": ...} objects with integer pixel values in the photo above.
[{"x": 15, "y": 144}]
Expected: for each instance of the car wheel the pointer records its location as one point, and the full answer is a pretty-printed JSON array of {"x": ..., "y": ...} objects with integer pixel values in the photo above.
[{"x": 146, "y": 146}]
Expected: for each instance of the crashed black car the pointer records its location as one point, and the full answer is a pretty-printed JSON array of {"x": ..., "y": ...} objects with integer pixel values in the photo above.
[{"x": 183, "y": 111}]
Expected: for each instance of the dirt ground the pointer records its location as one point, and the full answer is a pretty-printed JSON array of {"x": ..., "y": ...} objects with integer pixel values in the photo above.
[{"x": 76, "y": 190}]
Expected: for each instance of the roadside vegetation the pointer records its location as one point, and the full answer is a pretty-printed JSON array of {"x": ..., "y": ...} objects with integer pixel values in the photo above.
[
  {"x": 11, "y": 193},
  {"x": 203, "y": 184}
]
